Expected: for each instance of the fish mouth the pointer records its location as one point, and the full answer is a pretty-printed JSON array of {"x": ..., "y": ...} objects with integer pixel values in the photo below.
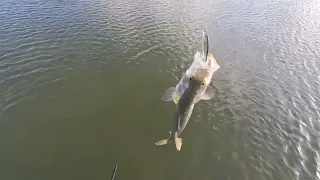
[{"x": 201, "y": 75}]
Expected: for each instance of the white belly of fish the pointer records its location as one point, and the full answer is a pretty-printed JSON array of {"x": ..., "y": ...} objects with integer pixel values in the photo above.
[{"x": 199, "y": 63}]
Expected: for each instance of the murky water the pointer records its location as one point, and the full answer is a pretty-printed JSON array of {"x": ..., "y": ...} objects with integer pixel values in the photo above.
[{"x": 81, "y": 85}]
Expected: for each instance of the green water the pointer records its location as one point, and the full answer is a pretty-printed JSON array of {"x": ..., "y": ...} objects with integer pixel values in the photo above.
[{"x": 81, "y": 85}]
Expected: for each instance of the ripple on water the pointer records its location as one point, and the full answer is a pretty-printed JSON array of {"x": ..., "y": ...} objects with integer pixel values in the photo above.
[{"x": 263, "y": 122}]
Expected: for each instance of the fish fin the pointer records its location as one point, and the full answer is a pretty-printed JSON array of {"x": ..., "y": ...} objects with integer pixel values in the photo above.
[
  {"x": 168, "y": 94},
  {"x": 178, "y": 142},
  {"x": 208, "y": 94},
  {"x": 163, "y": 141},
  {"x": 176, "y": 98}
]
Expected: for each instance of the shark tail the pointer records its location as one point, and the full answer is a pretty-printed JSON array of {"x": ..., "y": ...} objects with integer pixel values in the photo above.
[{"x": 177, "y": 140}]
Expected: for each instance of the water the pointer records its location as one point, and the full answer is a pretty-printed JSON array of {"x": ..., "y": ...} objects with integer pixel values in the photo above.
[{"x": 81, "y": 85}]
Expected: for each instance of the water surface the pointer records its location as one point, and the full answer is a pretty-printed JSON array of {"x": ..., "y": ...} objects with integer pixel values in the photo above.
[{"x": 81, "y": 85}]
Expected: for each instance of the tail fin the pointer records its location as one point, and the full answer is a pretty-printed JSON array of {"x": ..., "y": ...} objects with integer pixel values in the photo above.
[
  {"x": 164, "y": 141},
  {"x": 178, "y": 142}
]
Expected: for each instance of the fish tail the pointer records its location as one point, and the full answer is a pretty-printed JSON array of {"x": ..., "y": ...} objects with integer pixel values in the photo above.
[
  {"x": 163, "y": 141},
  {"x": 178, "y": 141}
]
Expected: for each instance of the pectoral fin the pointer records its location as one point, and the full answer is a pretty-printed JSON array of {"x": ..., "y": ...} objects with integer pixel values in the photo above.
[
  {"x": 208, "y": 94},
  {"x": 176, "y": 99},
  {"x": 168, "y": 94}
]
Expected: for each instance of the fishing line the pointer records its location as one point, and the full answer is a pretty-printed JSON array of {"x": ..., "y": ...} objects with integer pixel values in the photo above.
[
  {"x": 114, "y": 172},
  {"x": 205, "y": 44}
]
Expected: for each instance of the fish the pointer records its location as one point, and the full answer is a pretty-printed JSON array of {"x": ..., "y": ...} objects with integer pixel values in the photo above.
[
  {"x": 205, "y": 60},
  {"x": 197, "y": 85}
]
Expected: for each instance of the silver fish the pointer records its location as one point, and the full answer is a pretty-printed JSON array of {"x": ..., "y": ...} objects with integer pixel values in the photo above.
[
  {"x": 197, "y": 85},
  {"x": 201, "y": 61}
]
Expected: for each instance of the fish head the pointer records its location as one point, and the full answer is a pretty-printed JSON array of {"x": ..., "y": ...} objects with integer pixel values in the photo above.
[{"x": 200, "y": 81}]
